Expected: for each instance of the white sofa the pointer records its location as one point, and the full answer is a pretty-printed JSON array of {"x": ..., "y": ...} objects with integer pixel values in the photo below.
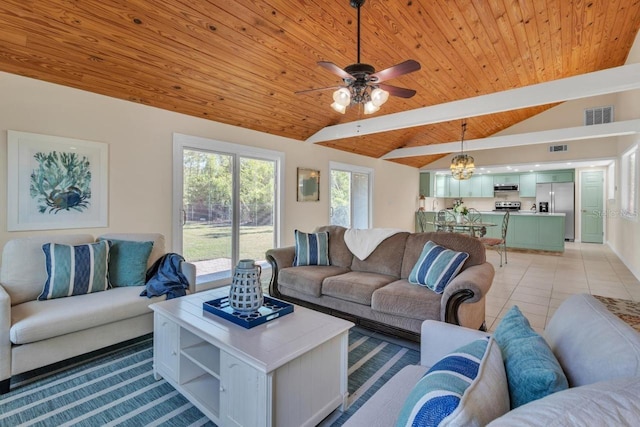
[
  {"x": 37, "y": 333},
  {"x": 599, "y": 354}
]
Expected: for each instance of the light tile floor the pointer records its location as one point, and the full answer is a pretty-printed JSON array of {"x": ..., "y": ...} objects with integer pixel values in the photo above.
[{"x": 538, "y": 283}]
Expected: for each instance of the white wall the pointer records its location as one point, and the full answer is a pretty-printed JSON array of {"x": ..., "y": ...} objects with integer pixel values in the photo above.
[{"x": 140, "y": 158}]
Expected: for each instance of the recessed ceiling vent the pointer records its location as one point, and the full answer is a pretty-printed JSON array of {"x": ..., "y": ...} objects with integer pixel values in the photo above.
[
  {"x": 556, "y": 148},
  {"x": 598, "y": 115}
]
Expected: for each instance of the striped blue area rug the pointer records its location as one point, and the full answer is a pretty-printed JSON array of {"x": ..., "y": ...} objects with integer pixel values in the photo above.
[{"x": 115, "y": 387}]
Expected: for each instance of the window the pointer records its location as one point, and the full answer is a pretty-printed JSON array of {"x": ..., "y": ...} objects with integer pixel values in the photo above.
[
  {"x": 629, "y": 190},
  {"x": 226, "y": 197},
  {"x": 351, "y": 189}
]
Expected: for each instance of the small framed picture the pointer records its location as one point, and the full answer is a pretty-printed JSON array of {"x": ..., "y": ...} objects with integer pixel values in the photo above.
[{"x": 308, "y": 185}]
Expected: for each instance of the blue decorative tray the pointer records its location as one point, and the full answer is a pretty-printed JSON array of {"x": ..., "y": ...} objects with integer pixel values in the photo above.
[{"x": 271, "y": 309}]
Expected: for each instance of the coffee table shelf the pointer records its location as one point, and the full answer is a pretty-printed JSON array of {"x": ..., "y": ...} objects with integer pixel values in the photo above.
[{"x": 206, "y": 356}]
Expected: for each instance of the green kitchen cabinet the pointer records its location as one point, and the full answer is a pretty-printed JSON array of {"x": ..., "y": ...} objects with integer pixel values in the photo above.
[
  {"x": 486, "y": 184},
  {"x": 454, "y": 187},
  {"x": 442, "y": 186},
  {"x": 527, "y": 185},
  {"x": 529, "y": 231},
  {"x": 506, "y": 179},
  {"x": 425, "y": 184},
  {"x": 471, "y": 187},
  {"x": 555, "y": 176}
]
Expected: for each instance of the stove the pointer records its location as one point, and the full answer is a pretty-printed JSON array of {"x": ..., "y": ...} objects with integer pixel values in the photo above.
[{"x": 507, "y": 206}]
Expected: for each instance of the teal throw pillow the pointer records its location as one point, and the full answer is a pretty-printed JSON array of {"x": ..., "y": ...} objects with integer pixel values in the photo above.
[
  {"x": 533, "y": 371},
  {"x": 75, "y": 270},
  {"x": 454, "y": 391},
  {"x": 128, "y": 262},
  {"x": 311, "y": 248},
  {"x": 436, "y": 267}
]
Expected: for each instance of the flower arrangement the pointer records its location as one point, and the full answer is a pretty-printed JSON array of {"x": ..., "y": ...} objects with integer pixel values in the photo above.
[{"x": 460, "y": 208}]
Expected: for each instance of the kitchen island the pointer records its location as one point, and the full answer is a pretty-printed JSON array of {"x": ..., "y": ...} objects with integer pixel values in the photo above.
[{"x": 527, "y": 230}]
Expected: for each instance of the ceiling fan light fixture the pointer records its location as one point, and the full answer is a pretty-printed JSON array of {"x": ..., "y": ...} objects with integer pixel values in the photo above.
[
  {"x": 462, "y": 165},
  {"x": 379, "y": 96},
  {"x": 370, "y": 107},
  {"x": 339, "y": 108},
  {"x": 342, "y": 97}
]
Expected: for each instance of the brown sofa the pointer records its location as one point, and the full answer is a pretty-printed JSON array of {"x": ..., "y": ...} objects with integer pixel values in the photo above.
[{"x": 375, "y": 293}]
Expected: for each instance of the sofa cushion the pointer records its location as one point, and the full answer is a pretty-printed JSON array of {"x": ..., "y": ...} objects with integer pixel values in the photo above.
[
  {"x": 401, "y": 298},
  {"x": 382, "y": 409},
  {"x": 579, "y": 322},
  {"x": 355, "y": 286},
  {"x": 455, "y": 391},
  {"x": 455, "y": 241},
  {"x": 128, "y": 262},
  {"x": 311, "y": 248},
  {"x": 23, "y": 270},
  {"x": 38, "y": 320},
  {"x": 607, "y": 403},
  {"x": 386, "y": 258},
  {"x": 533, "y": 371},
  {"x": 308, "y": 279},
  {"x": 75, "y": 270},
  {"x": 157, "y": 238},
  {"x": 436, "y": 267},
  {"x": 339, "y": 253}
]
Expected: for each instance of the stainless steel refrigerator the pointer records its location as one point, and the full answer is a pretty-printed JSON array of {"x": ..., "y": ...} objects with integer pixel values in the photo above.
[{"x": 559, "y": 197}]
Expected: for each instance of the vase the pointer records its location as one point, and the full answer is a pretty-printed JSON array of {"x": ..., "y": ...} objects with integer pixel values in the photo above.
[
  {"x": 459, "y": 218},
  {"x": 246, "y": 294}
]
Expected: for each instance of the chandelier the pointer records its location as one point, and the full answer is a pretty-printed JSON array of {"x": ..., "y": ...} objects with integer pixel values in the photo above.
[{"x": 462, "y": 166}]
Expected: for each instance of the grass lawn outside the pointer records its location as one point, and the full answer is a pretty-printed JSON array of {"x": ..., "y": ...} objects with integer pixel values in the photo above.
[{"x": 205, "y": 242}]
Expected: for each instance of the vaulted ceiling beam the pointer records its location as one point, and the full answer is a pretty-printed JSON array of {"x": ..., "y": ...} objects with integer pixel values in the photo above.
[
  {"x": 628, "y": 127},
  {"x": 612, "y": 80}
]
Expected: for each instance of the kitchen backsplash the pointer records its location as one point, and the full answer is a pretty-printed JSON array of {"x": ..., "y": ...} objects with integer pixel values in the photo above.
[{"x": 482, "y": 204}]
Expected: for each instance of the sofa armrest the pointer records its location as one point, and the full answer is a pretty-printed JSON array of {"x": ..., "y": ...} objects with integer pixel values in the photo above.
[
  {"x": 470, "y": 286},
  {"x": 189, "y": 271},
  {"x": 5, "y": 342},
  {"x": 438, "y": 339},
  {"x": 279, "y": 258}
]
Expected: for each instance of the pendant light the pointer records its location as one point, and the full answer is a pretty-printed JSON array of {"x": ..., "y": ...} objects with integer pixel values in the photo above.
[{"x": 462, "y": 166}]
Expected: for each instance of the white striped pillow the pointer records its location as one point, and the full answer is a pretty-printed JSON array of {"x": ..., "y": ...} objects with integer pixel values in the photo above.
[
  {"x": 436, "y": 267},
  {"x": 75, "y": 270}
]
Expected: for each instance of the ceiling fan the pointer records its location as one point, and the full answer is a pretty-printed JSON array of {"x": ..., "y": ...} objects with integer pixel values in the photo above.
[{"x": 362, "y": 85}]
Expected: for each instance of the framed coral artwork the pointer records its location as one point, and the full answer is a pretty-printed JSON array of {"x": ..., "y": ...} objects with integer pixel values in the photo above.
[{"x": 55, "y": 182}]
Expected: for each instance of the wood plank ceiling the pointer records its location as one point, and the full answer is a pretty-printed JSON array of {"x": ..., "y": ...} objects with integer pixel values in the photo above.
[{"x": 240, "y": 61}]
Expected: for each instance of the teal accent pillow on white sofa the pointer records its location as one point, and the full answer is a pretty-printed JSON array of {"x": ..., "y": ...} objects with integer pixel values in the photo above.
[
  {"x": 533, "y": 371},
  {"x": 128, "y": 262}
]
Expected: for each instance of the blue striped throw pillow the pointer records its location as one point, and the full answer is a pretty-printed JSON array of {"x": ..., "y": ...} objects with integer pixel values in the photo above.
[
  {"x": 438, "y": 393},
  {"x": 436, "y": 267},
  {"x": 311, "y": 248},
  {"x": 75, "y": 270}
]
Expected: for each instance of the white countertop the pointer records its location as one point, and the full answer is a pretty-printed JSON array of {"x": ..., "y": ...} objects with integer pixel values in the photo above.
[
  {"x": 525, "y": 213},
  {"x": 522, "y": 212}
]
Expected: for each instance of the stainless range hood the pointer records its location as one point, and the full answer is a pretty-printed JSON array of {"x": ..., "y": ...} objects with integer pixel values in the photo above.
[{"x": 505, "y": 187}]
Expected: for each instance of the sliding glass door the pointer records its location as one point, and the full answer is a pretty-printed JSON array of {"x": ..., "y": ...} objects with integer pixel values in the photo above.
[{"x": 228, "y": 204}]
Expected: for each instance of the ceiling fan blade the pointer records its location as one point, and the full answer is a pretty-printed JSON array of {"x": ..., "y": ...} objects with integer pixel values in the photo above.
[
  {"x": 398, "y": 91},
  {"x": 316, "y": 90},
  {"x": 408, "y": 66},
  {"x": 335, "y": 69}
]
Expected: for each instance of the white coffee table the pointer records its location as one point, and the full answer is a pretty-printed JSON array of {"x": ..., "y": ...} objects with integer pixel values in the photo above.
[{"x": 291, "y": 371}]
